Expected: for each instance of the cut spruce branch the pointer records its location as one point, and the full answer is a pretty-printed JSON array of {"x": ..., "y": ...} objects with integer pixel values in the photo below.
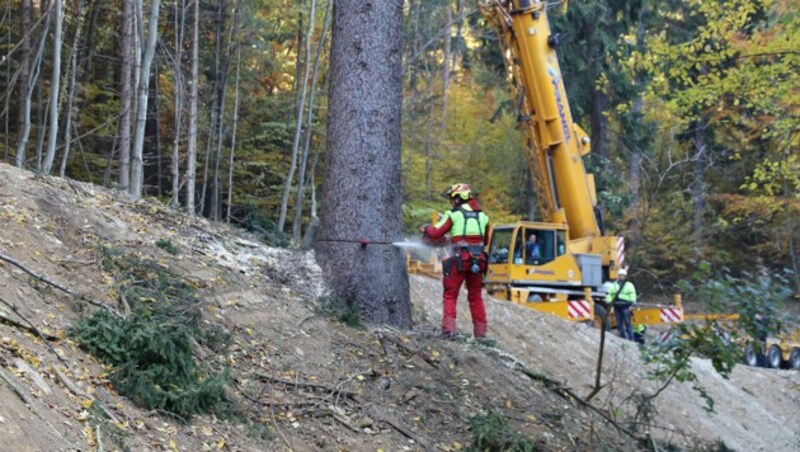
[{"x": 58, "y": 286}]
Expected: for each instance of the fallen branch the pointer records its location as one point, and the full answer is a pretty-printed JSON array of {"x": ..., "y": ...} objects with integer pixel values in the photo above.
[
  {"x": 27, "y": 328},
  {"x": 301, "y": 384},
  {"x": 14, "y": 388},
  {"x": 433, "y": 362},
  {"x": 397, "y": 425},
  {"x": 35, "y": 330},
  {"x": 58, "y": 286},
  {"x": 74, "y": 389}
]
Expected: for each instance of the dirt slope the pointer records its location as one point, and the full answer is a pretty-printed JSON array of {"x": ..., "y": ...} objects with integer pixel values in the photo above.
[{"x": 301, "y": 380}]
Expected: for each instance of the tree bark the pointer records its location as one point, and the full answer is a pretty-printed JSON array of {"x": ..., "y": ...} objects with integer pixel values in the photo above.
[
  {"x": 215, "y": 112},
  {"x": 191, "y": 147},
  {"x": 233, "y": 132},
  {"x": 25, "y": 64},
  {"x": 179, "y": 92},
  {"x": 71, "y": 90},
  {"x": 287, "y": 185},
  {"x": 141, "y": 107},
  {"x": 55, "y": 90},
  {"x": 446, "y": 64},
  {"x": 362, "y": 190},
  {"x": 301, "y": 181},
  {"x": 126, "y": 100},
  {"x": 698, "y": 181},
  {"x": 29, "y": 84}
]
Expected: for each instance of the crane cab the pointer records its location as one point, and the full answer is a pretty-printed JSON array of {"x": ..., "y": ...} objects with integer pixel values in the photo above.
[{"x": 534, "y": 264}]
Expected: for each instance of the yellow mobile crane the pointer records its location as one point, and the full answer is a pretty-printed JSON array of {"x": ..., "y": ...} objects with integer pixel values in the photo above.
[{"x": 564, "y": 274}]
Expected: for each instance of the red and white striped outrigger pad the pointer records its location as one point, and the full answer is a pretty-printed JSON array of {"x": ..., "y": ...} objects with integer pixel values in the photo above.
[
  {"x": 671, "y": 315},
  {"x": 579, "y": 309},
  {"x": 665, "y": 336}
]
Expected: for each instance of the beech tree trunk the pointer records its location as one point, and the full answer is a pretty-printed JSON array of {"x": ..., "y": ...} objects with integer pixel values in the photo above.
[
  {"x": 55, "y": 90},
  {"x": 301, "y": 181},
  {"x": 126, "y": 97},
  {"x": 25, "y": 64},
  {"x": 191, "y": 147},
  {"x": 287, "y": 185},
  {"x": 362, "y": 191},
  {"x": 180, "y": 10},
  {"x": 137, "y": 171}
]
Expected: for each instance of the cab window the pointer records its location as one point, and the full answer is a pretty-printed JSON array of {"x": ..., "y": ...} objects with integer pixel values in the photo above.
[
  {"x": 499, "y": 246},
  {"x": 540, "y": 246}
]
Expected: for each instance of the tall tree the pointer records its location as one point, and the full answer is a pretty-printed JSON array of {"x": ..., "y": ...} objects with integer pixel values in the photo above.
[
  {"x": 361, "y": 201},
  {"x": 25, "y": 61},
  {"x": 55, "y": 82},
  {"x": 180, "y": 15},
  {"x": 194, "y": 80},
  {"x": 141, "y": 107},
  {"x": 301, "y": 182},
  {"x": 299, "y": 122},
  {"x": 126, "y": 95},
  {"x": 30, "y": 83}
]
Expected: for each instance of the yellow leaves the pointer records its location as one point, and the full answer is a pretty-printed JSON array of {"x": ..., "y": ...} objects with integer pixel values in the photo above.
[{"x": 87, "y": 403}]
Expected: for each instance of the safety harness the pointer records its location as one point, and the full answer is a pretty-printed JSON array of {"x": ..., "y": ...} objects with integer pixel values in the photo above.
[{"x": 475, "y": 251}]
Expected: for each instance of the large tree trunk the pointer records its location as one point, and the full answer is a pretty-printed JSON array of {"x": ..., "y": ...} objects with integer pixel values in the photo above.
[
  {"x": 191, "y": 147},
  {"x": 55, "y": 83},
  {"x": 141, "y": 107},
  {"x": 362, "y": 190}
]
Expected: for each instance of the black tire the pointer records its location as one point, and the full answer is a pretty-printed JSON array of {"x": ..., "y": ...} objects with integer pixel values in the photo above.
[
  {"x": 750, "y": 356},
  {"x": 794, "y": 359},
  {"x": 773, "y": 357}
]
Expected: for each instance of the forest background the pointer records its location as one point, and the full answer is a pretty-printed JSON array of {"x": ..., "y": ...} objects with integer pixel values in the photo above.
[{"x": 219, "y": 107}]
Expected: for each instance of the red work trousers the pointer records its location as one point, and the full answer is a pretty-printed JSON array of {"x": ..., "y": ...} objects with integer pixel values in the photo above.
[{"x": 452, "y": 284}]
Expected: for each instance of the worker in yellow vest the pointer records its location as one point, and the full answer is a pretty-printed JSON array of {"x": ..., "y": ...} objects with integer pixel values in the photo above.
[
  {"x": 466, "y": 224},
  {"x": 622, "y": 296}
]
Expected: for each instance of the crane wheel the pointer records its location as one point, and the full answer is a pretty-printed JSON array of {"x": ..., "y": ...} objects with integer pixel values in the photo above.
[
  {"x": 750, "y": 356},
  {"x": 773, "y": 357},
  {"x": 794, "y": 358}
]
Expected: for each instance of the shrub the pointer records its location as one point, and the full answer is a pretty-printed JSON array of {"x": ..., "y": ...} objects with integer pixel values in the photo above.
[
  {"x": 493, "y": 433},
  {"x": 168, "y": 246}
]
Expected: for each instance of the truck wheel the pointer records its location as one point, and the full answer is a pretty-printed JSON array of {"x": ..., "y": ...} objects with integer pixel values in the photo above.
[
  {"x": 750, "y": 356},
  {"x": 794, "y": 358},
  {"x": 773, "y": 357}
]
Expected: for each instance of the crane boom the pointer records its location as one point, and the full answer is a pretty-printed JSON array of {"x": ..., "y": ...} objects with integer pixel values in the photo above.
[{"x": 565, "y": 191}]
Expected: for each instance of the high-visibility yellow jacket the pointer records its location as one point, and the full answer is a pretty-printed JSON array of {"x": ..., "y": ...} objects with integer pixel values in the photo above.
[{"x": 627, "y": 295}]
